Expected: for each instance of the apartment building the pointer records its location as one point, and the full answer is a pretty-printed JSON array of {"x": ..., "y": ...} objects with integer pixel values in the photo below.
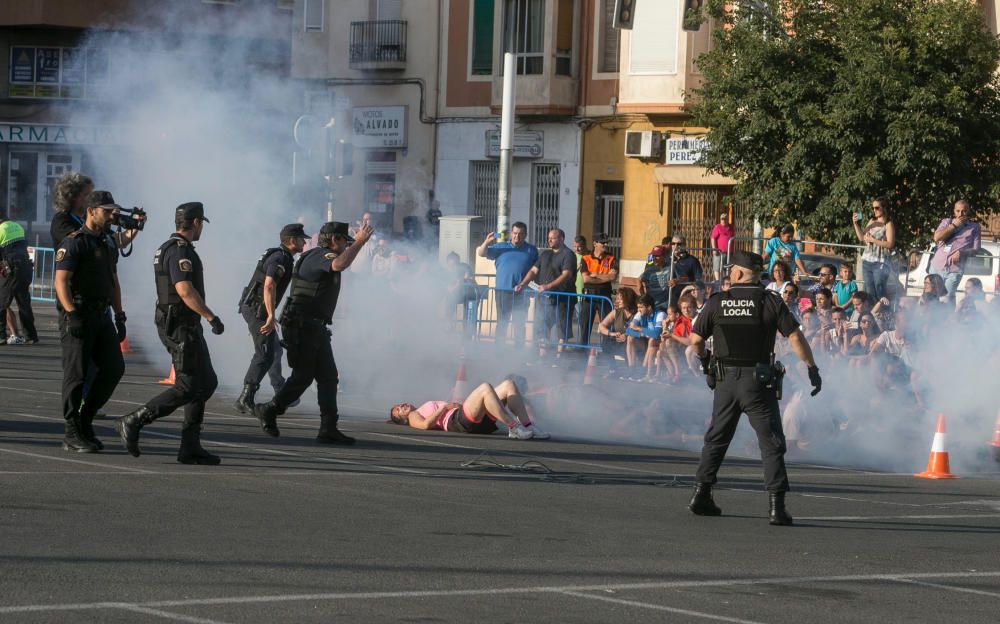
[
  {"x": 368, "y": 70},
  {"x": 61, "y": 56}
]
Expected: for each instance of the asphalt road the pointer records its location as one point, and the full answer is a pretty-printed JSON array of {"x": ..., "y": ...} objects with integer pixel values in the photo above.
[{"x": 411, "y": 526}]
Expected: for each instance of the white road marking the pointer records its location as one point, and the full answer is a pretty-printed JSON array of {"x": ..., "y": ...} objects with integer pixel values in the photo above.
[
  {"x": 74, "y": 461},
  {"x": 964, "y": 590},
  {"x": 167, "y": 614},
  {"x": 647, "y": 605},
  {"x": 494, "y": 591},
  {"x": 903, "y": 517}
]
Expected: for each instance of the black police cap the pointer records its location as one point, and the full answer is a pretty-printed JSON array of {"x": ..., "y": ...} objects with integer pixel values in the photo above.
[
  {"x": 101, "y": 198},
  {"x": 192, "y": 210},
  {"x": 293, "y": 230},
  {"x": 336, "y": 228},
  {"x": 747, "y": 260}
]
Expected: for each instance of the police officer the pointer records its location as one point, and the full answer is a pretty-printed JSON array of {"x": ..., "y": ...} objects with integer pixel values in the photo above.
[
  {"x": 180, "y": 306},
  {"x": 311, "y": 303},
  {"x": 86, "y": 284},
  {"x": 742, "y": 323},
  {"x": 16, "y": 272},
  {"x": 257, "y": 306}
]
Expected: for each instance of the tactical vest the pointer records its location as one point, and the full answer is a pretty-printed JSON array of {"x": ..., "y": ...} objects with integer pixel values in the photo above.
[
  {"x": 253, "y": 293},
  {"x": 313, "y": 300},
  {"x": 740, "y": 337},
  {"x": 166, "y": 293},
  {"x": 93, "y": 281},
  {"x": 598, "y": 266}
]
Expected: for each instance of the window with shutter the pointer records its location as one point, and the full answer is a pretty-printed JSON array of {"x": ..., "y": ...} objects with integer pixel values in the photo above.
[
  {"x": 653, "y": 48},
  {"x": 609, "y": 38},
  {"x": 313, "y": 16}
]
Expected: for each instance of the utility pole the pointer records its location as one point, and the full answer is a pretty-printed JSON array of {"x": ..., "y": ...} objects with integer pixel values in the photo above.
[{"x": 506, "y": 125}]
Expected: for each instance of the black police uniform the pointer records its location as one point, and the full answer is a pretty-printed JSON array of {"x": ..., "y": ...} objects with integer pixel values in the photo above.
[
  {"x": 180, "y": 331},
  {"x": 92, "y": 262},
  {"x": 276, "y": 263},
  {"x": 315, "y": 288},
  {"x": 15, "y": 286},
  {"x": 743, "y": 322}
]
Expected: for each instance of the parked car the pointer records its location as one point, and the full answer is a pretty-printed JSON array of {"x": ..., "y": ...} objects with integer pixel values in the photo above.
[{"x": 984, "y": 265}]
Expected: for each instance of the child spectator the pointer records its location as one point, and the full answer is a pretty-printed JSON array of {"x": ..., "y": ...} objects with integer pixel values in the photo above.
[
  {"x": 644, "y": 330},
  {"x": 824, "y": 305},
  {"x": 836, "y": 335},
  {"x": 676, "y": 336},
  {"x": 846, "y": 287},
  {"x": 613, "y": 326}
]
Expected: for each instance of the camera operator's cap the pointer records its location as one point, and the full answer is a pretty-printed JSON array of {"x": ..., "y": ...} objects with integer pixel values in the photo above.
[
  {"x": 337, "y": 228},
  {"x": 192, "y": 210},
  {"x": 659, "y": 251},
  {"x": 101, "y": 199},
  {"x": 293, "y": 230},
  {"x": 748, "y": 260}
]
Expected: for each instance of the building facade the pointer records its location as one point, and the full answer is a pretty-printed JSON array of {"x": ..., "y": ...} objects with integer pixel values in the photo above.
[{"x": 57, "y": 113}]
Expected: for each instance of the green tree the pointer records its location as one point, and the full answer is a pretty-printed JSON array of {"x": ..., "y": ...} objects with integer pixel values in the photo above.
[{"x": 816, "y": 107}]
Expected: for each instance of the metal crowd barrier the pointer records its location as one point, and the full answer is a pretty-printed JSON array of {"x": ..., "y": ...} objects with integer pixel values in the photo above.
[
  {"x": 43, "y": 282},
  {"x": 547, "y": 319}
]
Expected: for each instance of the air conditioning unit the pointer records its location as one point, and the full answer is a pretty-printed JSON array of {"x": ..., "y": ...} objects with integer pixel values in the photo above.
[{"x": 643, "y": 144}]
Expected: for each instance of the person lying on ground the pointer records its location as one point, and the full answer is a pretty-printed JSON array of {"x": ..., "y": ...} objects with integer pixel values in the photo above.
[{"x": 479, "y": 413}]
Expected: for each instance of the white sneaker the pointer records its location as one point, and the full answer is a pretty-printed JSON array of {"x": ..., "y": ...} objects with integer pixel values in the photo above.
[
  {"x": 16, "y": 340},
  {"x": 537, "y": 433},
  {"x": 519, "y": 432}
]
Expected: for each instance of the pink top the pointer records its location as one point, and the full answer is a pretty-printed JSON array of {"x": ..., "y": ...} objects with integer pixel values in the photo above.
[
  {"x": 428, "y": 408},
  {"x": 721, "y": 234}
]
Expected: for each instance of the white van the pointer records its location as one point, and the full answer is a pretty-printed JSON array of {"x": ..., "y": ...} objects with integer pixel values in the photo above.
[{"x": 984, "y": 265}]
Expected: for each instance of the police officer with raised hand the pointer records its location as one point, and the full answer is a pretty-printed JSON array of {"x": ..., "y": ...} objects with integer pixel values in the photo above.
[
  {"x": 742, "y": 323},
  {"x": 180, "y": 306},
  {"x": 312, "y": 301},
  {"x": 257, "y": 306},
  {"x": 86, "y": 284}
]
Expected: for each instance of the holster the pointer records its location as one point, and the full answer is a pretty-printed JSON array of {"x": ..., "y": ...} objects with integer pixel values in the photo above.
[
  {"x": 714, "y": 373},
  {"x": 770, "y": 376}
]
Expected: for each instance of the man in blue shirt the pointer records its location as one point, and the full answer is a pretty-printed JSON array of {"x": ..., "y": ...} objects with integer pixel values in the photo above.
[{"x": 513, "y": 261}]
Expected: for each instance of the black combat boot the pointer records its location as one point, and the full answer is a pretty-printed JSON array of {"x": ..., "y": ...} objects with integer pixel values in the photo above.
[
  {"x": 75, "y": 440},
  {"x": 779, "y": 516},
  {"x": 702, "y": 503},
  {"x": 267, "y": 415},
  {"x": 191, "y": 451},
  {"x": 244, "y": 404},
  {"x": 87, "y": 430},
  {"x": 329, "y": 434},
  {"x": 128, "y": 427}
]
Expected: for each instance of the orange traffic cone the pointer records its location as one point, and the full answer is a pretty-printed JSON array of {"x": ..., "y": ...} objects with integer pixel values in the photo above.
[
  {"x": 460, "y": 390},
  {"x": 124, "y": 346},
  {"x": 996, "y": 439},
  {"x": 169, "y": 381},
  {"x": 937, "y": 464},
  {"x": 588, "y": 375}
]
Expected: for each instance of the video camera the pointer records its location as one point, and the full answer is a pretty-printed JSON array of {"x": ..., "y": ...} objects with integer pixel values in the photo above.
[{"x": 133, "y": 218}]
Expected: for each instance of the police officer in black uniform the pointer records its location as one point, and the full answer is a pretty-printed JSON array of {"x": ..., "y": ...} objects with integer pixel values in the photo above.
[
  {"x": 311, "y": 303},
  {"x": 86, "y": 284},
  {"x": 16, "y": 273},
  {"x": 258, "y": 305},
  {"x": 745, "y": 377},
  {"x": 180, "y": 306}
]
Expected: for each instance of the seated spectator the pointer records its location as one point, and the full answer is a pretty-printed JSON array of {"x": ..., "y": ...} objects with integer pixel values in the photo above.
[
  {"x": 824, "y": 305},
  {"x": 613, "y": 326},
  {"x": 868, "y": 331},
  {"x": 790, "y": 295},
  {"x": 810, "y": 324},
  {"x": 883, "y": 312},
  {"x": 676, "y": 337},
  {"x": 861, "y": 304},
  {"x": 644, "y": 331},
  {"x": 381, "y": 260},
  {"x": 479, "y": 413},
  {"x": 827, "y": 278},
  {"x": 836, "y": 335},
  {"x": 975, "y": 296},
  {"x": 844, "y": 288},
  {"x": 896, "y": 342},
  {"x": 779, "y": 277}
]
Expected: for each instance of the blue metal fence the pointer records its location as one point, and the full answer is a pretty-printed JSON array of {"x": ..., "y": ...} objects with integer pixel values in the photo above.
[{"x": 43, "y": 282}]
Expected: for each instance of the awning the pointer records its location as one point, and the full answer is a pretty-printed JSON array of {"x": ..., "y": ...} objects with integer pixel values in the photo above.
[{"x": 689, "y": 175}]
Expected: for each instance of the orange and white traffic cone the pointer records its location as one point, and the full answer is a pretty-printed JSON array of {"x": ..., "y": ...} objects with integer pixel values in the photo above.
[
  {"x": 124, "y": 346},
  {"x": 460, "y": 389},
  {"x": 169, "y": 381},
  {"x": 996, "y": 439},
  {"x": 588, "y": 374},
  {"x": 937, "y": 464}
]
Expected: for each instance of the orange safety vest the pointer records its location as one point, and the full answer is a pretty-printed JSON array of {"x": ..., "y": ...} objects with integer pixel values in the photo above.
[{"x": 598, "y": 265}]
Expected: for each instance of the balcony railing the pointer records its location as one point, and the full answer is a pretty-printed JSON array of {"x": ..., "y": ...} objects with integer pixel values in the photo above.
[{"x": 378, "y": 44}]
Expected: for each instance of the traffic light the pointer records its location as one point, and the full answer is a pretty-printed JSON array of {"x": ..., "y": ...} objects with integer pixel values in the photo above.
[
  {"x": 692, "y": 15},
  {"x": 625, "y": 13}
]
